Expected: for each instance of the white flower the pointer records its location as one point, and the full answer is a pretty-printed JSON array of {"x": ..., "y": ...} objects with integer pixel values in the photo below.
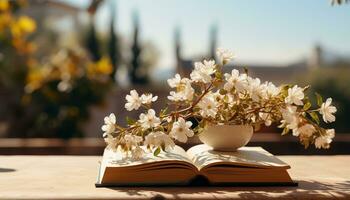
[
  {"x": 290, "y": 119},
  {"x": 157, "y": 139},
  {"x": 137, "y": 152},
  {"x": 227, "y": 98},
  {"x": 109, "y": 126},
  {"x": 224, "y": 55},
  {"x": 266, "y": 117},
  {"x": 295, "y": 95},
  {"x": 134, "y": 101},
  {"x": 175, "y": 96},
  {"x": 324, "y": 140},
  {"x": 177, "y": 81},
  {"x": 149, "y": 120},
  {"x": 181, "y": 130},
  {"x": 174, "y": 82},
  {"x": 255, "y": 89},
  {"x": 327, "y": 111},
  {"x": 306, "y": 130},
  {"x": 188, "y": 92},
  {"x": 148, "y": 98},
  {"x": 271, "y": 90},
  {"x": 112, "y": 142},
  {"x": 132, "y": 144},
  {"x": 185, "y": 92},
  {"x": 202, "y": 71},
  {"x": 208, "y": 106},
  {"x": 132, "y": 140},
  {"x": 235, "y": 80}
]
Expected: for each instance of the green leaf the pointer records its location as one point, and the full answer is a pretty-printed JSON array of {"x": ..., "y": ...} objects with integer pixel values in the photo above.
[
  {"x": 286, "y": 86},
  {"x": 307, "y": 106},
  {"x": 314, "y": 116},
  {"x": 223, "y": 91},
  {"x": 218, "y": 75},
  {"x": 163, "y": 111},
  {"x": 130, "y": 121},
  {"x": 156, "y": 152},
  {"x": 319, "y": 99},
  {"x": 285, "y": 131},
  {"x": 284, "y": 89}
]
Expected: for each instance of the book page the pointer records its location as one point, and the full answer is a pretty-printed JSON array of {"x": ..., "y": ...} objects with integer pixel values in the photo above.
[
  {"x": 118, "y": 158},
  {"x": 167, "y": 167},
  {"x": 203, "y": 156}
]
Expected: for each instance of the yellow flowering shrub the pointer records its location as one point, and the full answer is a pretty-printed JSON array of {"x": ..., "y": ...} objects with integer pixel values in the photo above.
[{"x": 51, "y": 95}]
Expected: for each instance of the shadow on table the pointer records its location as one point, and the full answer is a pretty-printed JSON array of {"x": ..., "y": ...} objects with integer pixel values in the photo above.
[
  {"x": 3, "y": 170},
  {"x": 306, "y": 189}
]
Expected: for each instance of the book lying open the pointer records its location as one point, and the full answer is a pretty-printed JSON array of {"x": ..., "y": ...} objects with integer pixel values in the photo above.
[{"x": 246, "y": 166}]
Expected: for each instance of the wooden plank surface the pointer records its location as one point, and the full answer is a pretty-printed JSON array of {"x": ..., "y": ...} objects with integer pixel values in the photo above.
[{"x": 73, "y": 177}]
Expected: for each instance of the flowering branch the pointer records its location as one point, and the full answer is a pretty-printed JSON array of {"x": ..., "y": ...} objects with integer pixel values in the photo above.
[{"x": 211, "y": 97}]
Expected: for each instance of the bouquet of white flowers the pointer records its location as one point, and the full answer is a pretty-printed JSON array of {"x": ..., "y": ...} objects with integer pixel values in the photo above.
[{"x": 211, "y": 97}]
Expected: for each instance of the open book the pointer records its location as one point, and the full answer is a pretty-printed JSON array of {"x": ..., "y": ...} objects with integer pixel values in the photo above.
[{"x": 246, "y": 166}]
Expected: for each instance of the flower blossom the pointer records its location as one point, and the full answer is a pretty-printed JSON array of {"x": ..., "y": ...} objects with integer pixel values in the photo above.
[
  {"x": 148, "y": 98},
  {"x": 181, "y": 130},
  {"x": 290, "y": 119},
  {"x": 266, "y": 117},
  {"x": 255, "y": 89},
  {"x": 133, "y": 101},
  {"x": 132, "y": 144},
  {"x": 137, "y": 153},
  {"x": 227, "y": 98},
  {"x": 235, "y": 80},
  {"x": 149, "y": 120},
  {"x": 295, "y": 96},
  {"x": 175, "y": 82},
  {"x": 208, "y": 106},
  {"x": 202, "y": 71},
  {"x": 306, "y": 130},
  {"x": 271, "y": 89},
  {"x": 158, "y": 139},
  {"x": 112, "y": 142},
  {"x": 109, "y": 126},
  {"x": 323, "y": 141},
  {"x": 132, "y": 140},
  {"x": 327, "y": 111},
  {"x": 224, "y": 55},
  {"x": 184, "y": 92}
]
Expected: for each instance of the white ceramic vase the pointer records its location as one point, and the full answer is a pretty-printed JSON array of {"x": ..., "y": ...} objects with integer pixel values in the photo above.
[{"x": 226, "y": 137}]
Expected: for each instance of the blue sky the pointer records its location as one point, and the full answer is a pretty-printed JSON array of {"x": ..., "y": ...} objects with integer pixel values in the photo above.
[{"x": 258, "y": 31}]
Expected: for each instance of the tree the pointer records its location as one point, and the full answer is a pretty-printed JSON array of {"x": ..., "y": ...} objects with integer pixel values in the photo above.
[
  {"x": 138, "y": 73},
  {"x": 92, "y": 43},
  {"x": 113, "y": 45}
]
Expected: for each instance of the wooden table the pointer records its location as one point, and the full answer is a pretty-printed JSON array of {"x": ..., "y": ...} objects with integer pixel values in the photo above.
[{"x": 73, "y": 177}]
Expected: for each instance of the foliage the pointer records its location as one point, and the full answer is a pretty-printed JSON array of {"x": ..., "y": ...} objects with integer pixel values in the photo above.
[
  {"x": 61, "y": 91},
  {"x": 16, "y": 52},
  {"x": 333, "y": 81},
  {"x": 51, "y": 96}
]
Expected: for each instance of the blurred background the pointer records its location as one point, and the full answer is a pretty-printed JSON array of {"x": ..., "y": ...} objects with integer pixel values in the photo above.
[{"x": 65, "y": 64}]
